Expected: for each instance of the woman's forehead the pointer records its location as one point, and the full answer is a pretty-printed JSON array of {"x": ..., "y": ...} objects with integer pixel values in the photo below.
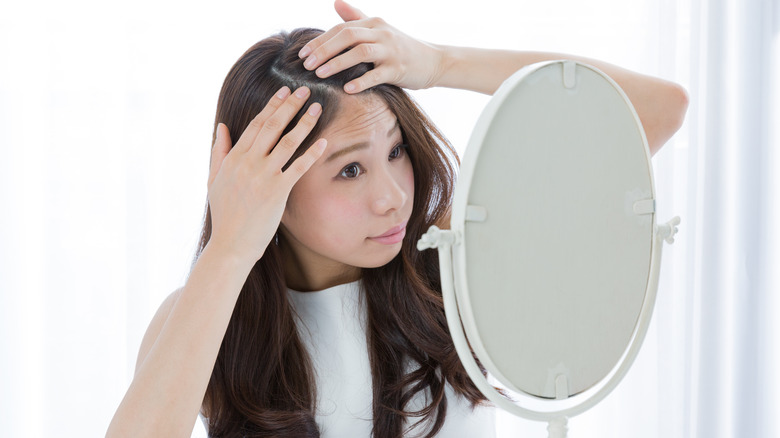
[{"x": 360, "y": 115}]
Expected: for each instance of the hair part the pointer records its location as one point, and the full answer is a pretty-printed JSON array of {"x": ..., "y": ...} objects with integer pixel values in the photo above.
[{"x": 263, "y": 381}]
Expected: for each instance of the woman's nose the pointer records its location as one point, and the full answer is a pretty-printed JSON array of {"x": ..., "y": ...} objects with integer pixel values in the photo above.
[{"x": 389, "y": 193}]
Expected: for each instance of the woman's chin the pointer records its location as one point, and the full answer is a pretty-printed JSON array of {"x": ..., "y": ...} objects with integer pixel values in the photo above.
[{"x": 381, "y": 258}]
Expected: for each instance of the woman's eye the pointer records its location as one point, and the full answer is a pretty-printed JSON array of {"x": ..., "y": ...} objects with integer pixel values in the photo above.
[
  {"x": 351, "y": 171},
  {"x": 397, "y": 151}
]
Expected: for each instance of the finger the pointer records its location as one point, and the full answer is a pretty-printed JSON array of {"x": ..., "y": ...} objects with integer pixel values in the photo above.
[
  {"x": 363, "y": 48},
  {"x": 370, "y": 78},
  {"x": 348, "y": 12},
  {"x": 249, "y": 135},
  {"x": 303, "y": 163},
  {"x": 307, "y": 50},
  {"x": 287, "y": 146},
  {"x": 219, "y": 151},
  {"x": 273, "y": 127}
]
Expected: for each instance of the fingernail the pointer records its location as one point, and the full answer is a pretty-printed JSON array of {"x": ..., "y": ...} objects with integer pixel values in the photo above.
[
  {"x": 322, "y": 71},
  {"x": 349, "y": 88},
  {"x": 283, "y": 92},
  {"x": 310, "y": 61},
  {"x": 302, "y": 92},
  {"x": 304, "y": 52},
  {"x": 314, "y": 109}
]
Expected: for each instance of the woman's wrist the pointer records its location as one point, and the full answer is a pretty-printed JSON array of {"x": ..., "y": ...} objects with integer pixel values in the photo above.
[
  {"x": 443, "y": 65},
  {"x": 468, "y": 68},
  {"x": 228, "y": 255}
]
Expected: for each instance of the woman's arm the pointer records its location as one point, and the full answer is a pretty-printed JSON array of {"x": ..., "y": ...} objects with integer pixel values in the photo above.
[
  {"x": 404, "y": 61},
  {"x": 660, "y": 104},
  {"x": 247, "y": 196},
  {"x": 179, "y": 350}
]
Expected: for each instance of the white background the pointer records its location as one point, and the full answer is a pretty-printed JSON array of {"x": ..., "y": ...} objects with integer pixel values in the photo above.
[{"x": 106, "y": 111}]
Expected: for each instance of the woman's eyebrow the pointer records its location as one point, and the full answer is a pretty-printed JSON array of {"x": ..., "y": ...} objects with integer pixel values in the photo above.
[
  {"x": 346, "y": 150},
  {"x": 358, "y": 146}
]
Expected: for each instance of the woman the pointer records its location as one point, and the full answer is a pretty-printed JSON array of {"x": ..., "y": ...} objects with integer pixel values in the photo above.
[{"x": 317, "y": 207}]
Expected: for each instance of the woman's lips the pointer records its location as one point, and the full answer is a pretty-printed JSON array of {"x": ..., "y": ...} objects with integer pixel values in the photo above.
[{"x": 392, "y": 236}]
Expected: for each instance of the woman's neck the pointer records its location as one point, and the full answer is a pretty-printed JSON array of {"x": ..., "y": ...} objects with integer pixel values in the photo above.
[{"x": 306, "y": 274}]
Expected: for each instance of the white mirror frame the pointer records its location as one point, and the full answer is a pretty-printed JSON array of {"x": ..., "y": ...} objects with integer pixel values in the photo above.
[{"x": 449, "y": 244}]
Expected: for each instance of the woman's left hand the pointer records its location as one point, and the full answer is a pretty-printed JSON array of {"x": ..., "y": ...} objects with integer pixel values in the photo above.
[{"x": 398, "y": 58}]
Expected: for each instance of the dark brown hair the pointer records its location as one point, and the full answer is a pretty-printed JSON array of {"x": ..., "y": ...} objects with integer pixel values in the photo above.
[{"x": 262, "y": 384}]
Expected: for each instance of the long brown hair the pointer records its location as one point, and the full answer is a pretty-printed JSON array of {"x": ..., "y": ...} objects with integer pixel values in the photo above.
[{"x": 262, "y": 383}]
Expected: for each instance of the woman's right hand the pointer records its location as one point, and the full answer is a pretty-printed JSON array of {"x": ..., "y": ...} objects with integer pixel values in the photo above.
[
  {"x": 247, "y": 190},
  {"x": 247, "y": 193}
]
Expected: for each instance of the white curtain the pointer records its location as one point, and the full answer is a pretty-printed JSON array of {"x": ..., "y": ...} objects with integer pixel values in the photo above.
[
  {"x": 733, "y": 264},
  {"x": 106, "y": 111}
]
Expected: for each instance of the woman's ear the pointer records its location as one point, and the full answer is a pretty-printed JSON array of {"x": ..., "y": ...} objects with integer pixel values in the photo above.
[{"x": 348, "y": 12}]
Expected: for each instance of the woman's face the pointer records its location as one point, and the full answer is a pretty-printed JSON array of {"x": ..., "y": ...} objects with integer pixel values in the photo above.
[{"x": 350, "y": 209}]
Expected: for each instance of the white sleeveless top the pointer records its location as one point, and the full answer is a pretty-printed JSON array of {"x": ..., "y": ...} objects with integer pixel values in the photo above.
[{"x": 332, "y": 324}]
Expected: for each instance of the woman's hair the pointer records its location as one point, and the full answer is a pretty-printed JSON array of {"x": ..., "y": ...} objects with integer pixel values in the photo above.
[{"x": 263, "y": 383}]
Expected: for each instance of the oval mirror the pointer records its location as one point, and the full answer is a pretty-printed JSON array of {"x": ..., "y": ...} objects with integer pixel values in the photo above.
[{"x": 551, "y": 262}]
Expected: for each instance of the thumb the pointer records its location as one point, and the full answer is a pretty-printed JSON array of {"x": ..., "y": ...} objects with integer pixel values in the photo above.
[{"x": 348, "y": 12}]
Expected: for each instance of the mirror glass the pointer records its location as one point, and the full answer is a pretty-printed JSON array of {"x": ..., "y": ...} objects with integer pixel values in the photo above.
[{"x": 555, "y": 206}]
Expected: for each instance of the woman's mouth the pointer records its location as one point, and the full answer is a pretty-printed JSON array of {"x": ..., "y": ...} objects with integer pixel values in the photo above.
[{"x": 392, "y": 236}]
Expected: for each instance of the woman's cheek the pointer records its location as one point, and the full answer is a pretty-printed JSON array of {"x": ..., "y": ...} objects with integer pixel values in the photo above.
[
  {"x": 410, "y": 182},
  {"x": 344, "y": 212}
]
